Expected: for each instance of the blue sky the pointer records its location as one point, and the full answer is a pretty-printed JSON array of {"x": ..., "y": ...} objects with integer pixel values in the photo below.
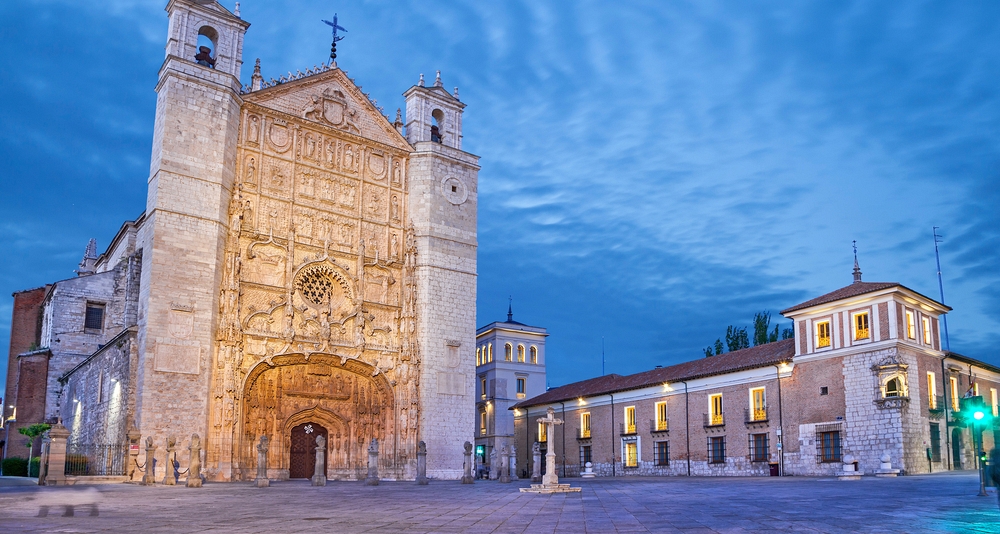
[{"x": 651, "y": 171}]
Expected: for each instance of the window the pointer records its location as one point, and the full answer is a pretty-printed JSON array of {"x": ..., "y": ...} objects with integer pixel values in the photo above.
[
  {"x": 542, "y": 434},
  {"x": 830, "y": 443},
  {"x": 482, "y": 388},
  {"x": 926, "y": 323},
  {"x": 482, "y": 423},
  {"x": 861, "y": 326},
  {"x": 893, "y": 388},
  {"x": 715, "y": 410},
  {"x": 631, "y": 454},
  {"x": 437, "y": 120},
  {"x": 935, "y": 442},
  {"x": 630, "y": 419},
  {"x": 758, "y": 448},
  {"x": 993, "y": 402},
  {"x": 585, "y": 425},
  {"x": 931, "y": 391},
  {"x": 585, "y": 455},
  {"x": 758, "y": 406},
  {"x": 100, "y": 388},
  {"x": 661, "y": 416},
  {"x": 822, "y": 334},
  {"x": 661, "y": 453},
  {"x": 975, "y": 389},
  {"x": 508, "y": 352},
  {"x": 717, "y": 450},
  {"x": 479, "y": 356},
  {"x": 534, "y": 354},
  {"x": 520, "y": 353},
  {"x": 911, "y": 325},
  {"x": 490, "y": 349},
  {"x": 953, "y": 384},
  {"x": 824, "y": 390},
  {"x": 520, "y": 388},
  {"x": 94, "y": 318}
]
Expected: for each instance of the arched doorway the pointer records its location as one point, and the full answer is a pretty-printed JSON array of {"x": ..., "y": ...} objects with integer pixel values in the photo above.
[{"x": 302, "y": 453}]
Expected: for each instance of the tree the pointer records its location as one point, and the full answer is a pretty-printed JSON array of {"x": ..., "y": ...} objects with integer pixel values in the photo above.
[
  {"x": 33, "y": 432},
  {"x": 736, "y": 338},
  {"x": 718, "y": 349}
]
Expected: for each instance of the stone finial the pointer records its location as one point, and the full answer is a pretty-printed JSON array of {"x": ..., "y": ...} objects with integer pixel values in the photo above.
[
  {"x": 456, "y": 92},
  {"x": 437, "y": 80},
  {"x": 421, "y": 82},
  {"x": 89, "y": 261},
  {"x": 421, "y": 448},
  {"x": 236, "y": 10},
  {"x": 857, "y": 270},
  {"x": 256, "y": 81}
]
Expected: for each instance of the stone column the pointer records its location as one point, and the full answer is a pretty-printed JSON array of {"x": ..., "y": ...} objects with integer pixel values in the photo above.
[
  {"x": 150, "y": 477},
  {"x": 536, "y": 462},
  {"x": 422, "y": 464},
  {"x": 494, "y": 464},
  {"x": 170, "y": 471},
  {"x": 467, "y": 467},
  {"x": 43, "y": 464},
  {"x": 513, "y": 462},
  {"x": 133, "y": 453},
  {"x": 262, "y": 481},
  {"x": 194, "y": 466},
  {"x": 319, "y": 474},
  {"x": 504, "y": 475},
  {"x": 372, "y": 479}
]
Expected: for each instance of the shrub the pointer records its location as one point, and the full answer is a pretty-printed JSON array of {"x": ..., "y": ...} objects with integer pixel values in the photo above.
[
  {"x": 15, "y": 467},
  {"x": 33, "y": 466}
]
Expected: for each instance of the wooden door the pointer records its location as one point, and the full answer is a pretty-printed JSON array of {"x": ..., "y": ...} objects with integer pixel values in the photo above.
[{"x": 302, "y": 461}]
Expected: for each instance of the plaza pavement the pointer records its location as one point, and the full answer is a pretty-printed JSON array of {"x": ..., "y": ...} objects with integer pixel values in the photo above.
[{"x": 944, "y": 502}]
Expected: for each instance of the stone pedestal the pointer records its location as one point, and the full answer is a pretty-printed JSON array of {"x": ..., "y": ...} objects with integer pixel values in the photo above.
[
  {"x": 422, "y": 464},
  {"x": 536, "y": 462},
  {"x": 262, "y": 481},
  {"x": 550, "y": 482},
  {"x": 372, "y": 479},
  {"x": 194, "y": 466},
  {"x": 551, "y": 488},
  {"x": 467, "y": 477},
  {"x": 133, "y": 453},
  {"x": 55, "y": 470},
  {"x": 149, "y": 478},
  {"x": 513, "y": 463},
  {"x": 885, "y": 469},
  {"x": 504, "y": 465},
  {"x": 170, "y": 469},
  {"x": 494, "y": 464},
  {"x": 849, "y": 472},
  {"x": 319, "y": 474},
  {"x": 588, "y": 471}
]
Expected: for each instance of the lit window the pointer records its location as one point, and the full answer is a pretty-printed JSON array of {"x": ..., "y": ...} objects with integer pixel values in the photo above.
[
  {"x": 758, "y": 404},
  {"x": 953, "y": 384},
  {"x": 479, "y": 356},
  {"x": 534, "y": 354},
  {"x": 830, "y": 446},
  {"x": 661, "y": 416},
  {"x": 975, "y": 389},
  {"x": 630, "y": 419},
  {"x": 926, "y": 323},
  {"x": 520, "y": 353},
  {"x": 631, "y": 454},
  {"x": 94, "y": 318},
  {"x": 717, "y": 450},
  {"x": 585, "y": 425},
  {"x": 893, "y": 388},
  {"x": 520, "y": 388},
  {"x": 508, "y": 352},
  {"x": 931, "y": 391},
  {"x": 482, "y": 423},
  {"x": 490, "y": 348},
  {"x": 911, "y": 325},
  {"x": 542, "y": 434},
  {"x": 861, "y": 326},
  {"x": 715, "y": 410},
  {"x": 993, "y": 402},
  {"x": 482, "y": 388},
  {"x": 822, "y": 334}
]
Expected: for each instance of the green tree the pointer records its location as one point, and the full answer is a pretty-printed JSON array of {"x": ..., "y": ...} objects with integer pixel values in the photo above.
[
  {"x": 33, "y": 432},
  {"x": 717, "y": 348},
  {"x": 737, "y": 338}
]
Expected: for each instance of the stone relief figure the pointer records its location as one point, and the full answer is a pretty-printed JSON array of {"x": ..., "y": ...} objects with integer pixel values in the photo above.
[
  {"x": 248, "y": 217},
  {"x": 310, "y": 146},
  {"x": 308, "y": 184},
  {"x": 313, "y": 108},
  {"x": 331, "y": 150},
  {"x": 397, "y": 174},
  {"x": 395, "y": 208},
  {"x": 393, "y": 247},
  {"x": 254, "y": 129},
  {"x": 251, "y": 172},
  {"x": 373, "y": 203}
]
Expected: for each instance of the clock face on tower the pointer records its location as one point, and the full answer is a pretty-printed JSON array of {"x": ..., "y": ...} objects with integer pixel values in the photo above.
[{"x": 454, "y": 190}]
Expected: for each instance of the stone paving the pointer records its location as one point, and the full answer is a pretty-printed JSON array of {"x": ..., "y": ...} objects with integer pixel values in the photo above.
[{"x": 930, "y": 503}]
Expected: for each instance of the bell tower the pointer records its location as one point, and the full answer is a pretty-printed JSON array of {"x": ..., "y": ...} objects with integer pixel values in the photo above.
[
  {"x": 443, "y": 185},
  {"x": 190, "y": 185}
]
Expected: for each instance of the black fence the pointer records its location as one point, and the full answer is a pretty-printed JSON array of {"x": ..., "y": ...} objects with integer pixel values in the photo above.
[{"x": 96, "y": 460}]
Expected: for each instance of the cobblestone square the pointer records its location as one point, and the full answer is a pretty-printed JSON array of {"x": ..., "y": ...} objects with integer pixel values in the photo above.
[{"x": 927, "y": 503}]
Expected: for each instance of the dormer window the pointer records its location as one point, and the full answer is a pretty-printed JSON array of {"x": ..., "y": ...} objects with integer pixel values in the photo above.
[
  {"x": 822, "y": 334},
  {"x": 861, "y": 326},
  {"x": 926, "y": 323}
]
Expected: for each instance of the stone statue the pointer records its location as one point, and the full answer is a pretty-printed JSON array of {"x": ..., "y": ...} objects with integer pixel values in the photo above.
[
  {"x": 194, "y": 468},
  {"x": 494, "y": 465},
  {"x": 372, "y": 479},
  {"x": 262, "y": 481},
  {"x": 513, "y": 462},
  {"x": 504, "y": 467},
  {"x": 536, "y": 462},
  {"x": 251, "y": 172},
  {"x": 319, "y": 474},
  {"x": 150, "y": 477},
  {"x": 467, "y": 475}
]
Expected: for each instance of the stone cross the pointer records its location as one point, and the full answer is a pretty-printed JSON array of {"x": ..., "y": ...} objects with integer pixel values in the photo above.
[
  {"x": 372, "y": 479},
  {"x": 513, "y": 462},
  {"x": 467, "y": 475},
  {"x": 150, "y": 478},
  {"x": 504, "y": 466},
  {"x": 262, "y": 481},
  {"x": 319, "y": 474},
  {"x": 194, "y": 467},
  {"x": 536, "y": 462},
  {"x": 170, "y": 474},
  {"x": 550, "y": 423},
  {"x": 422, "y": 464}
]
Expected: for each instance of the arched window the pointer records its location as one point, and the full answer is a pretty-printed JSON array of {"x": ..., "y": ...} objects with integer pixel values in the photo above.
[
  {"x": 520, "y": 353},
  {"x": 508, "y": 352},
  {"x": 490, "y": 347},
  {"x": 208, "y": 40},
  {"x": 534, "y": 354},
  {"x": 479, "y": 356},
  {"x": 893, "y": 388},
  {"x": 437, "y": 125}
]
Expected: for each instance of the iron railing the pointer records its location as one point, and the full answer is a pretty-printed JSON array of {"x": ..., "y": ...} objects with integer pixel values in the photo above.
[
  {"x": 755, "y": 415},
  {"x": 714, "y": 419},
  {"x": 659, "y": 425},
  {"x": 626, "y": 430},
  {"x": 96, "y": 460}
]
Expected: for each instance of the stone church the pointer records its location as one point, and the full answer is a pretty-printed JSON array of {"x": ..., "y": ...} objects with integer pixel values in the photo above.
[{"x": 304, "y": 266}]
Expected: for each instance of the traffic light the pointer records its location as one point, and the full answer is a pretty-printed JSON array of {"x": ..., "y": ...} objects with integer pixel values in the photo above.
[{"x": 972, "y": 410}]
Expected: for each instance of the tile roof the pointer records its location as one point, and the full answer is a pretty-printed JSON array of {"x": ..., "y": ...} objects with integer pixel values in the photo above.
[
  {"x": 751, "y": 358},
  {"x": 853, "y": 290}
]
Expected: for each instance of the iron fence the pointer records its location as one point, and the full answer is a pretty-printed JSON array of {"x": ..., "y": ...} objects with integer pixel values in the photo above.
[{"x": 96, "y": 460}]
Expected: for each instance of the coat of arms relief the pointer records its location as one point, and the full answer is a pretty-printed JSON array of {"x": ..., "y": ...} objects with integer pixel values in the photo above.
[{"x": 332, "y": 107}]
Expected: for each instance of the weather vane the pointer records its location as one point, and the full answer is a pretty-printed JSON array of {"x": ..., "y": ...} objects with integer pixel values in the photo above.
[{"x": 333, "y": 45}]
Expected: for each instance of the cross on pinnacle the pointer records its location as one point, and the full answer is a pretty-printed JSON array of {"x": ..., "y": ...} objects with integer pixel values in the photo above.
[{"x": 333, "y": 45}]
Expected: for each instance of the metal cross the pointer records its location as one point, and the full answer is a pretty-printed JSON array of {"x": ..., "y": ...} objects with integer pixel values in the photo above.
[{"x": 335, "y": 27}]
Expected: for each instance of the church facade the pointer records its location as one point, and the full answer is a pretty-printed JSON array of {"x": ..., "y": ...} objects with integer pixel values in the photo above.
[{"x": 304, "y": 266}]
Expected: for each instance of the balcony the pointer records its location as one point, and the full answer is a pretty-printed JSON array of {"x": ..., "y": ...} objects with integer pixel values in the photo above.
[
  {"x": 936, "y": 407},
  {"x": 713, "y": 420},
  {"x": 755, "y": 415},
  {"x": 626, "y": 430},
  {"x": 659, "y": 426},
  {"x": 823, "y": 342},
  {"x": 520, "y": 395},
  {"x": 583, "y": 433},
  {"x": 860, "y": 333}
]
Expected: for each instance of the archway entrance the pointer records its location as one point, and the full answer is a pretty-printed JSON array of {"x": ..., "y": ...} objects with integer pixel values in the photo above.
[{"x": 302, "y": 459}]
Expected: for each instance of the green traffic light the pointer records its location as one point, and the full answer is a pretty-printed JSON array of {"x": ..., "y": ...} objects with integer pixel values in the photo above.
[{"x": 978, "y": 415}]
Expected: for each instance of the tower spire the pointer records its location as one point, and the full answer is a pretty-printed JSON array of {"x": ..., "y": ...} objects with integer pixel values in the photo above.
[
  {"x": 857, "y": 269},
  {"x": 510, "y": 309},
  {"x": 89, "y": 261}
]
